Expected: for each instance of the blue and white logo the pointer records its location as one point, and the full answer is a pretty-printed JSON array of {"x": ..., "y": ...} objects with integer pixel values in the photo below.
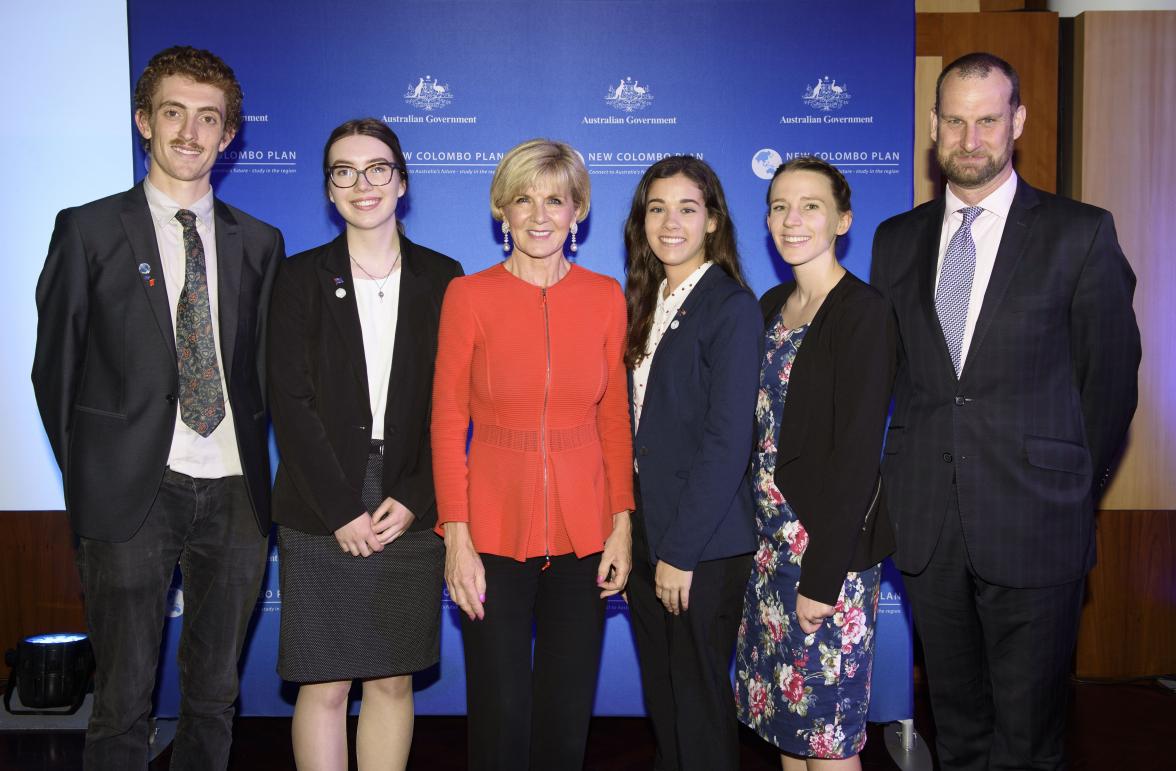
[
  {"x": 890, "y": 601},
  {"x": 428, "y": 94},
  {"x": 765, "y": 162},
  {"x": 628, "y": 96},
  {"x": 826, "y": 95},
  {"x": 175, "y": 602}
]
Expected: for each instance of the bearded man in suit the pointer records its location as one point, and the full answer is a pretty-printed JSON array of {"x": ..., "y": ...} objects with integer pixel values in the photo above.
[
  {"x": 148, "y": 375},
  {"x": 1016, "y": 385}
]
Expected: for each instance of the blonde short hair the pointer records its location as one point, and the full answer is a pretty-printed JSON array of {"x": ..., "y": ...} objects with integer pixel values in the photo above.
[{"x": 536, "y": 159}]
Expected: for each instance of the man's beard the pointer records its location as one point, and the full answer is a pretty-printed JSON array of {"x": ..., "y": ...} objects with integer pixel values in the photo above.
[{"x": 973, "y": 176}]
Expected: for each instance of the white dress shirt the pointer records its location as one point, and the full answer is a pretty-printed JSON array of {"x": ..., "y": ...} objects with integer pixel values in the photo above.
[
  {"x": 663, "y": 316},
  {"x": 216, "y": 455},
  {"x": 987, "y": 230},
  {"x": 377, "y": 319}
]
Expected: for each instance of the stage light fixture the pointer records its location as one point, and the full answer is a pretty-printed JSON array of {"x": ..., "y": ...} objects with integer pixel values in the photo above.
[{"x": 51, "y": 674}]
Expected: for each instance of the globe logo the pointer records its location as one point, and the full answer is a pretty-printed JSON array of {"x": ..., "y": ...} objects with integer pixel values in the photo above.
[{"x": 765, "y": 162}]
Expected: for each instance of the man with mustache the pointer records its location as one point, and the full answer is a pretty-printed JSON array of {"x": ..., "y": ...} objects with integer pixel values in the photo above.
[
  {"x": 1016, "y": 384},
  {"x": 151, "y": 313}
]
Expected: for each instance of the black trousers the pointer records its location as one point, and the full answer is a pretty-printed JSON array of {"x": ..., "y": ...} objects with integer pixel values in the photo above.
[
  {"x": 207, "y": 527},
  {"x": 998, "y": 660},
  {"x": 529, "y": 712},
  {"x": 686, "y": 660}
]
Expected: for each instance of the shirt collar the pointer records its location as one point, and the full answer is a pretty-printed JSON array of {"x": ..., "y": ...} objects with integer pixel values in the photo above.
[
  {"x": 679, "y": 295},
  {"x": 998, "y": 202},
  {"x": 163, "y": 208}
]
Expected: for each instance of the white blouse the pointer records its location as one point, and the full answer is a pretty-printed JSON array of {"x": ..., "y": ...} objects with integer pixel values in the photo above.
[
  {"x": 377, "y": 319},
  {"x": 663, "y": 320}
]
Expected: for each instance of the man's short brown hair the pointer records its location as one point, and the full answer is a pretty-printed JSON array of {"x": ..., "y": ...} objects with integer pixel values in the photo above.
[{"x": 195, "y": 64}]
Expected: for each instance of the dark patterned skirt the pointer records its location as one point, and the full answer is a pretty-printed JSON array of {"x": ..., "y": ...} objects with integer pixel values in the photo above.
[{"x": 346, "y": 617}]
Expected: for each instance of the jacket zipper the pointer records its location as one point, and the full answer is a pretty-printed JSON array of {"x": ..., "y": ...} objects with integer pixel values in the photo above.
[
  {"x": 543, "y": 429},
  {"x": 873, "y": 503}
]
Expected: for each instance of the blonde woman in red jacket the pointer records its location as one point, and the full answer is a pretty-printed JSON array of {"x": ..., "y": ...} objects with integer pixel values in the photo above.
[{"x": 536, "y": 518}]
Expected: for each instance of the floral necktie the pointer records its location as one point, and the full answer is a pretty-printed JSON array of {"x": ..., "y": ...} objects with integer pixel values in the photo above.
[{"x": 202, "y": 403}]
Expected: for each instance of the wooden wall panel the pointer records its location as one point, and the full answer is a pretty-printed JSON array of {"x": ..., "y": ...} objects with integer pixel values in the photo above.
[
  {"x": 1129, "y": 620},
  {"x": 1014, "y": 5},
  {"x": 1124, "y": 162},
  {"x": 926, "y": 169},
  {"x": 947, "y": 6},
  {"x": 39, "y": 586},
  {"x": 973, "y": 6},
  {"x": 1028, "y": 41}
]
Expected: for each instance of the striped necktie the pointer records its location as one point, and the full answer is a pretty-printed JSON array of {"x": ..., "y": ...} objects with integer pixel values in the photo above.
[{"x": 955, "y": 286}]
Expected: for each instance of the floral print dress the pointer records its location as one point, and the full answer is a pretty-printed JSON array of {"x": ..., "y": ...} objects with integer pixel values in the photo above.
[{"x": 806, "y": 694}]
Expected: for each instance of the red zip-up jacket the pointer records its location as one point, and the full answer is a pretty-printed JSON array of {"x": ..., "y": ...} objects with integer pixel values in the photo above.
[{"x": 540, "y": 373}]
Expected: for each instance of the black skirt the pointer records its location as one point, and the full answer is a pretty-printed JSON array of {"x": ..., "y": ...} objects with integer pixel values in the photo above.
[{"x": 346, "y": 617}]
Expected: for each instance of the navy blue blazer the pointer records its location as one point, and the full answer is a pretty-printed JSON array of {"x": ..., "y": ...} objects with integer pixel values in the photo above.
[{"x": 694, "y": 442}]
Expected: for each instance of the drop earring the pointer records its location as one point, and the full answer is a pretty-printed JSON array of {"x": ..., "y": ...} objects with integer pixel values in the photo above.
[
  {"x": 575, "y": 229},
  {"x": 505, "y": 237}
]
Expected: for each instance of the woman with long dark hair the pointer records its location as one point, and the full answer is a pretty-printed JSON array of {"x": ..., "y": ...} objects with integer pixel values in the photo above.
[
  {"x": 353, "y": 334},
  {"x": 693, "y": 351}
]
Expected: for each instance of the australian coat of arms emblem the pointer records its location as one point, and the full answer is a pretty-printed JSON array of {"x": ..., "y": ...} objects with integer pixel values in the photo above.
[
  {"x": 428, "y": 94},
  {"x": 628, "y": 96},
  {"x": 826, "y": 95}
]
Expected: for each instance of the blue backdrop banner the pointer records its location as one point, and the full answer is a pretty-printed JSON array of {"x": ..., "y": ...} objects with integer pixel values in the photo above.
[{"x": 743, "y": 85}]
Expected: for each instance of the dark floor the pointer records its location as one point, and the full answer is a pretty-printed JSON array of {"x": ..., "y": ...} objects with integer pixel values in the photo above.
[{"x": 1112, "y": 728}]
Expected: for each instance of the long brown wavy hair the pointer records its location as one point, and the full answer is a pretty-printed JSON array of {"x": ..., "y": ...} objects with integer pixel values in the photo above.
[{"x": 644, "y": 271}]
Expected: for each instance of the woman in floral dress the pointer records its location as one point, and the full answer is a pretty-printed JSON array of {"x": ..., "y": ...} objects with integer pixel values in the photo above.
[{"x": 806, "y": 641}]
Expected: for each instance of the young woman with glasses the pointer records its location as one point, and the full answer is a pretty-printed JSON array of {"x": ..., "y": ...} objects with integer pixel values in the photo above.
[{"x": 352, "y": 337}]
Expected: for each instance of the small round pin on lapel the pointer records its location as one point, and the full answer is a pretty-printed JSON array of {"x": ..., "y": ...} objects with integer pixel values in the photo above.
[
  {"x": 340, "y": 293},
  {"x": 674, "y": 324}
]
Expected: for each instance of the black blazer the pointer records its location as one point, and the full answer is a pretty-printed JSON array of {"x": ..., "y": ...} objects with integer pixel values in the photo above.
[
  {"x": 319, "y": 390},
  {"x": 105, "y": 370},
  {"x": 831, "y": 430},
  {"x": 694, "y": 441},
  {"x": 1028, "y": 431}
]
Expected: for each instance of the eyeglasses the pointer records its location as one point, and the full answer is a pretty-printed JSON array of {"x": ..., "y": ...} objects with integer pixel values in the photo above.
[{"x": 377, "y": 175}]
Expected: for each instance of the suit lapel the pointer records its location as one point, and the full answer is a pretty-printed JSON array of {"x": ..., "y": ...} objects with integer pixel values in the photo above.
[
  {"x": 928, "y": 237},
  {"x": 1022, "y": 215},
  {"x": 140, "y": 232},
  {"x": 408, "y": 361},
  {"x": 684, "y": 320},
  {"x": 230, "y": 256},
  {"x": 335, "y": 274}
]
